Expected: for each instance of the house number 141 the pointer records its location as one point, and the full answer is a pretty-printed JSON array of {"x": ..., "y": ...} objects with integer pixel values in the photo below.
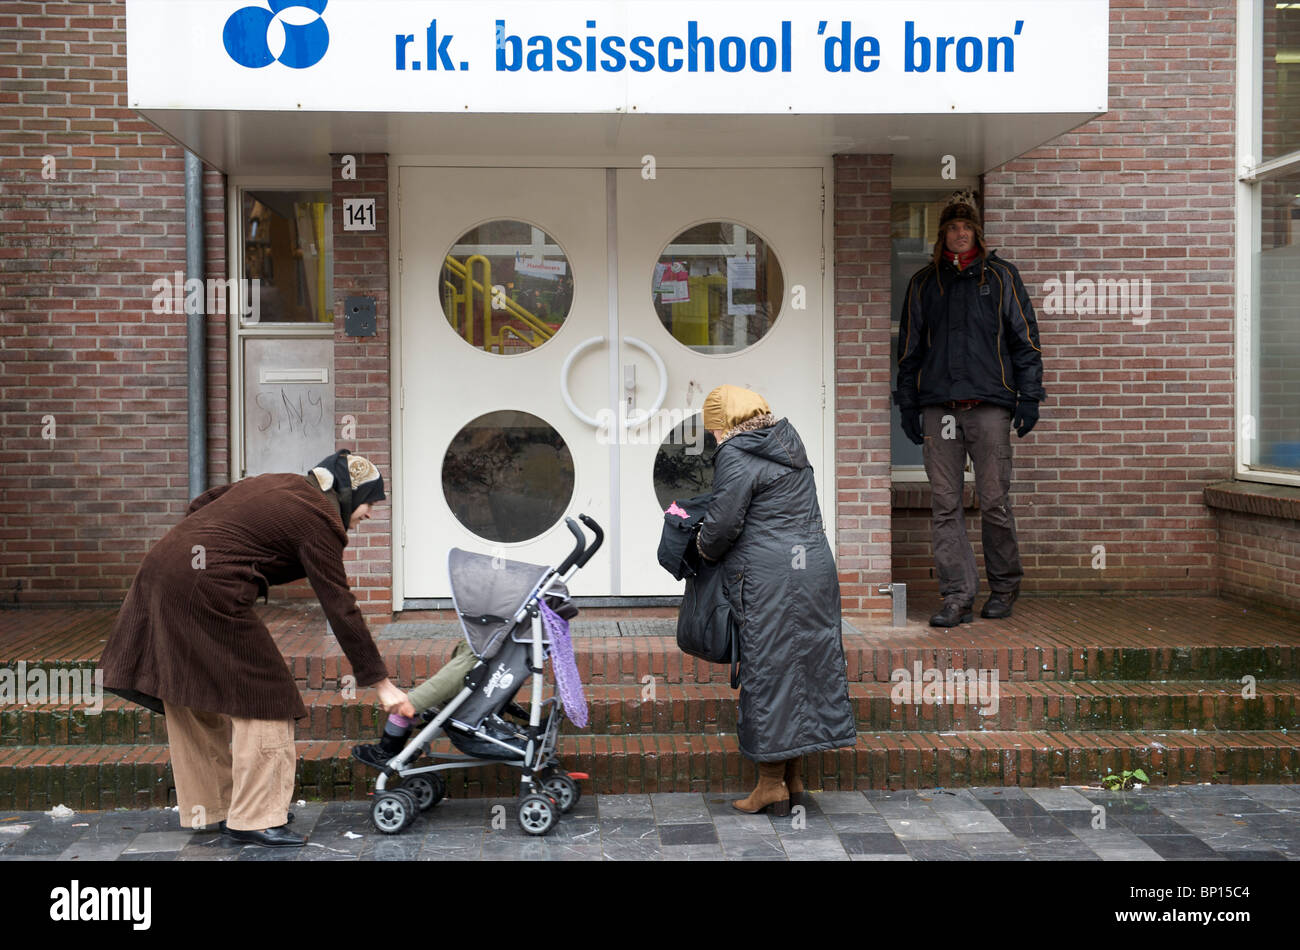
[{"x": 358, "y": 214}]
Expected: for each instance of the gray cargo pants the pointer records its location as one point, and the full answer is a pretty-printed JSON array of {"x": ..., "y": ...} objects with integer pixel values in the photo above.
[{"x": 984, "y": 431}]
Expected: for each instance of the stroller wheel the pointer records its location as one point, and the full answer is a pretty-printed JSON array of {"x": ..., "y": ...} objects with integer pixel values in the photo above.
[
  {"x": 428, "y": 790},
  {"x": 538, "y": 814},
  {"x": 393, "y": 810},
  {"x": 563, "y": 789}
]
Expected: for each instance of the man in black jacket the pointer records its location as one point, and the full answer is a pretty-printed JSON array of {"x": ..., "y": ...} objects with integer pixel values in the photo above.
[{"x": 969, "y": 367}]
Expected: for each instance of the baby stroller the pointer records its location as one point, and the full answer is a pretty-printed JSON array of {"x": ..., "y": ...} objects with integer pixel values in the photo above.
[{"x": 498, "y": 605}]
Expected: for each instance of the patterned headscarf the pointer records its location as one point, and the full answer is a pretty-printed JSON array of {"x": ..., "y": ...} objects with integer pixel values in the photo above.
[{"x": 354, "y": 479}]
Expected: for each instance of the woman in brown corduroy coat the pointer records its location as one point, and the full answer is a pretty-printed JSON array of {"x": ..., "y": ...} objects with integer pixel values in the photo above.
[{"x": 188, "y": 641}]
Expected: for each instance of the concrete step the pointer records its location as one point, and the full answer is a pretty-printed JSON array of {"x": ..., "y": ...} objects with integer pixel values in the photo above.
[
  {"x": 710, "y": 709},
  {"x": 105, "y": 777}
]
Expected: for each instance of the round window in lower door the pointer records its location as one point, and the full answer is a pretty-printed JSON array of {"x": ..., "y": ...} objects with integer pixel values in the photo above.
[
  {"x": 507, "y": 476},
  {"x": 717, "y": 287},
  {"x": 684, "y": 463}
]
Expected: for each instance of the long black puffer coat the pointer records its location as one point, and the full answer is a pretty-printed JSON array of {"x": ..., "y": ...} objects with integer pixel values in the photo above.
[{"x": 766, "y": 525}]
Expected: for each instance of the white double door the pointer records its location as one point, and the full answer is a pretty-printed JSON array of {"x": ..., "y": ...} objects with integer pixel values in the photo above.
[{"x": 610, "y": 362}]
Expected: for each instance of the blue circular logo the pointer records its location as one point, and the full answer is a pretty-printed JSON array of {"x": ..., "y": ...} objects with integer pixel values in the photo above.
[{"x": 247, "y": 35}]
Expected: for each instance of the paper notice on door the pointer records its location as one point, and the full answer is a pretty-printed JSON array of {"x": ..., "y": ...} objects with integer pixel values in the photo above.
[
  {"x": 741, "y": 298},
  {"x": 537, "y": 267},
  {"x": 671, "y": 282}
]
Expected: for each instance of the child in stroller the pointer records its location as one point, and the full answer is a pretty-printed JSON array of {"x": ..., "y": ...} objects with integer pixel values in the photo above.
[{"x": 513, "y": 615}]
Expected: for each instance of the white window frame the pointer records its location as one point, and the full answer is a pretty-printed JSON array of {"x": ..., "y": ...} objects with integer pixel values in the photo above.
[
  {"x": 238, "y": 331},
  {"x": 1250, "y": 172}
]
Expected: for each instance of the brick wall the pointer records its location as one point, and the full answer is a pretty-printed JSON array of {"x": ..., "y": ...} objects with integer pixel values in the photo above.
[
  {"x": 83, "y": 236},
  {"x": 862, "y": 395},
  {"x": 1259, "y": 558},
  {"x": 1138, "y": 418},
  {"x": 361, "y": 377}
]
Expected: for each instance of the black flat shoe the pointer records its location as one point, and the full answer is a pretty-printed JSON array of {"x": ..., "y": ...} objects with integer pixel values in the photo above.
[
  {"x": 951, "y": 614},
  {"x": 280, "y": 837},
  {"x": 221, "y": 825},
  {"x": 999, "y": 604}
]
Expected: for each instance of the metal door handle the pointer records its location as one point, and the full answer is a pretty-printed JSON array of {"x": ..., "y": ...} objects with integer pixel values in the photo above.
[{"x": 631, "y": 420}]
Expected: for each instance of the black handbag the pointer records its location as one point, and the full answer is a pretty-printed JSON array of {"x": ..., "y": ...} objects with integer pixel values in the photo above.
[{"x": 706, "y": 627}]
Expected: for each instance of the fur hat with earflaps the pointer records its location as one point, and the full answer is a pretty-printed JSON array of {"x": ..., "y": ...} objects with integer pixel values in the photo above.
[
  {"x": 961, "y": 206},
  {"x": 354, "y": 479}
]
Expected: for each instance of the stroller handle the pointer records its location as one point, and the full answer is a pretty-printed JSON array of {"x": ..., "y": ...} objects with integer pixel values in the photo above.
[
  {"x": 580, "y": 543},
  {"x": 600, "y": 538},
  {"x": 581, "y": 554}
]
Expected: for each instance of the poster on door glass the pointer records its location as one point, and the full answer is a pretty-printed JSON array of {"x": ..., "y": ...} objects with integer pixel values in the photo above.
[
  {"x": 742, "y": 301},
  {"x": 672, "y": 282}
]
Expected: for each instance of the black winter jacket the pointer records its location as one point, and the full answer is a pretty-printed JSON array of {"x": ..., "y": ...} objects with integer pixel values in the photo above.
[
  {"x": 765, "y": 525},
  {"x": 968, "y": 334}
]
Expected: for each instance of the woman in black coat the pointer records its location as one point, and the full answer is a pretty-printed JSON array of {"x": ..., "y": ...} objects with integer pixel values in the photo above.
[{"x": 764, "y": 523}]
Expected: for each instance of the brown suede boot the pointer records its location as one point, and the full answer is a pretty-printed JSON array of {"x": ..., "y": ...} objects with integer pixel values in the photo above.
[
  {"x": 770, "y": 793},
  {"x": 793, "y": 780}
]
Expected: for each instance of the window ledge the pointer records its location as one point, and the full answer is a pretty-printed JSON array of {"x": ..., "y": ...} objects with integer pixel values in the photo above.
[{"x": 1255, "y": 498}]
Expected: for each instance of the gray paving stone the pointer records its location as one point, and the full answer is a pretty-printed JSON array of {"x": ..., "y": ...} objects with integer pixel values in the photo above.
[
  {"x": 957, "y": 799},
  {"x": 693, "y": 852},
  {"x": 630, "y": 829},
  {"x": 1035, "y": 829},
  {"x": 152, "y": 856},
  {"x": 872, "y": 844},
  {"x": 1269, "y": 855},
  {"x": 698, "y": 833},
  {"x": 912, "y": 829},
  {"x": 564, "y": 851},
  {"x": 675, "y": 808},
  {"x": 972, "y": 822},
  {"x": 984, "y": 845},
  {"x": 1054, "y": 799},
  {"x": 931, "y": 850},
  {"x": 83, "y": 850},
  {"x": 1060, "y": 849},
  {"x": 1180, "y": 847},
  {"x": 158, "y": 841},
  {"x": 737, "y": 824},
  {"x": 1015, "y": 808},
  {"x": 800, "y": 849},
  {"x": 752, "y": 846},
  {"x": 843, "y": 803},
  {"x": 1010, "y": 793},
  {"x": 598, "y": 628},
  {"x": 625, "y": 849},
  {"x": 1285, "y": 796},
  {"x": 650, "y": 627},
  {"x": 881, "y": 857},
  {"x": 624, "y": 806},
  {"x": 905, "y": 808},
  {"x": 522, "y": 848},
  {"x": 863, "y": 824}
]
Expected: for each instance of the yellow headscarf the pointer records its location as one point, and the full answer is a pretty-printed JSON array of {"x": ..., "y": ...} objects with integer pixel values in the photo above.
[{"x": 728, "y": 406}]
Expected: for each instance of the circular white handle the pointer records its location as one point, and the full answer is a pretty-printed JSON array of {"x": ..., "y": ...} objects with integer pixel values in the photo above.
[
  {"x": 643, "y": 415},
  {"x": 564, "y": 379}
]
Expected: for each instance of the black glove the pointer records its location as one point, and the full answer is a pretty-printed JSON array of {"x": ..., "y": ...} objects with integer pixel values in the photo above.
[
  {"x": 912, "y": 424},
  {"x": 1025, "y": 417}
]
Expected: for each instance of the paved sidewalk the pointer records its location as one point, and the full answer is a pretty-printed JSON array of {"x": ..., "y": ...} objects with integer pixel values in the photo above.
[{"x": 1196, "y": 822}]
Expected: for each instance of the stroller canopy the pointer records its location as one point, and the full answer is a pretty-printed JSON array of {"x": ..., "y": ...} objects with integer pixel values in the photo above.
[{"x": 487, "y": 591}]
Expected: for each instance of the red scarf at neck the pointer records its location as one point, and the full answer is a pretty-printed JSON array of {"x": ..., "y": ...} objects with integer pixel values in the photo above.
[{"x": 961, "y": 261}]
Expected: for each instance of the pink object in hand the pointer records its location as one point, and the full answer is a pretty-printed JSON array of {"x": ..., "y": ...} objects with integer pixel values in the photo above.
[{"x": 674, "y": 510}]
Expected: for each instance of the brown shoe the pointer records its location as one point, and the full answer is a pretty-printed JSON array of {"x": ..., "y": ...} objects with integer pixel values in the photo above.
[
  {"x": 999, "y": 604},
  {"x": 770, "y": 793},
  {"x": 793, "y": 780}
]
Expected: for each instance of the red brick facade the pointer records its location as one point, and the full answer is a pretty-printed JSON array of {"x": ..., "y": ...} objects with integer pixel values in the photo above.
[
  {"x": 1139, "y": 417},
  {"x": 92, "y": 380}
]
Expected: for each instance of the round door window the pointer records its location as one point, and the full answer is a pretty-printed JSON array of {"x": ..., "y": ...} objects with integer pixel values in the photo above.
[
  {"x": 507, "y": 476},
  {"x": 717, "y": 287},
  {"x": 505, "y": 287},
  {"x": 684, "y": 463}
]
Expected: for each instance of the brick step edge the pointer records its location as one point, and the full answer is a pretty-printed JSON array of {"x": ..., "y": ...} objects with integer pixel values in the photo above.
[
  {"x": 1052, "y": 706},
  {"x": 140, "y": 776},
  {"x": 628, "y": 660}
]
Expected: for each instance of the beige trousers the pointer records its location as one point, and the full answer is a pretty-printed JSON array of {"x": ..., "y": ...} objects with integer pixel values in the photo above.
[{"x": 226, "y": 768}]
